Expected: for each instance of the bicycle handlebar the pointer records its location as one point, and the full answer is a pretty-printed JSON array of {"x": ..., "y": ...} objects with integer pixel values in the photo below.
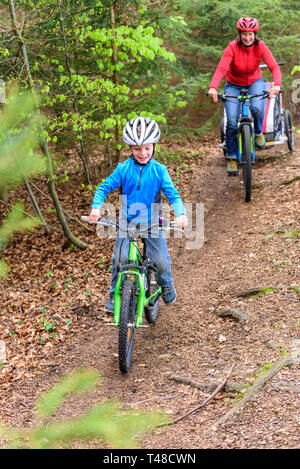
[
  {"x": 223, "y": 97},
  {"x": 163, "y": 224}
]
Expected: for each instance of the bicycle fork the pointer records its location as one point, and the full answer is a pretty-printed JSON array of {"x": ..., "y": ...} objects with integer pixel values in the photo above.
[
  {"x": 142, "y": 301},
  {"x": 243, "y": 122}
]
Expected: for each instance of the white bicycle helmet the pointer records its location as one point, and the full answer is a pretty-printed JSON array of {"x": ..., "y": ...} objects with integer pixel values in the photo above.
[{"x": 141, "y": 131}]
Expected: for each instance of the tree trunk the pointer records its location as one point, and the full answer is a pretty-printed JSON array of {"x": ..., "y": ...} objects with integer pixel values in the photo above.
[
  {"x": 115, "y": 78},
  {"x": 35, "y": 205},
  {"x": 43, "y": 144}
]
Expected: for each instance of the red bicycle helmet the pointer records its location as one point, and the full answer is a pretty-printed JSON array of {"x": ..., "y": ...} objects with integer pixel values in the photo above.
[{"x": 246, "y": 23}]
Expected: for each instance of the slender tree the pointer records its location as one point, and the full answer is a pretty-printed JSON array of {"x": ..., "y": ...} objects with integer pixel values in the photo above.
[{"x": 42, "y": 141}]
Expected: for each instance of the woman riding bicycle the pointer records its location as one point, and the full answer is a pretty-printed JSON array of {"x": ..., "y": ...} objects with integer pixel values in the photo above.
[{"x": 240, "y": 66}]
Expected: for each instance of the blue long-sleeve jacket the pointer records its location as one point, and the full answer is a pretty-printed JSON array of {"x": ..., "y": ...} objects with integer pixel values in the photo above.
[{"x": 141, "y": 186}]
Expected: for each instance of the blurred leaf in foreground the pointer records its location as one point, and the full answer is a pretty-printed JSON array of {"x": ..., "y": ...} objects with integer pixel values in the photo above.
[
  {"x": 106, "y": 421},
  {"x": 18, "y": 160}
]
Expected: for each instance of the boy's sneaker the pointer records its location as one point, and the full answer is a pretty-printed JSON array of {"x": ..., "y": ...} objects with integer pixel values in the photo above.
[
  {"x": 109, "y": 307},
  {"x": 232, "y": 168},
  {"x": 168, "y": 293},
  {"x": 260, "y": 141}
]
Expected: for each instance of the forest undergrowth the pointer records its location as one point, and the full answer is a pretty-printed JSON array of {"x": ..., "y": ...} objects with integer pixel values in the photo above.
[{"x": 52, "y": 320}]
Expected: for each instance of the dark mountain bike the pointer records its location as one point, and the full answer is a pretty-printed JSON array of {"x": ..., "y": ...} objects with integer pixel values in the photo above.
[
  {"x": 277, "y": 129},
  {"x": 245, "y": 136}
]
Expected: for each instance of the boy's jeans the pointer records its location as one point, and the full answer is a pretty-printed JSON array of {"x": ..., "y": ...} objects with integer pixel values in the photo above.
[
  {"x": 156, "y": 249},
  {"x": 232, "y": 112}
]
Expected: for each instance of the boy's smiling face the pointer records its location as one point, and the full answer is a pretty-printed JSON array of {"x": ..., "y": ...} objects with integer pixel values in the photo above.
[{"x": 142, "y": 153}]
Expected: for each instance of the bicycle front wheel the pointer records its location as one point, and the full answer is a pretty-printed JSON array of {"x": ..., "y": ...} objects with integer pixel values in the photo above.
[
  {"x": 247, "y": 163},
  {"x": 222, "y": 134},
  {"x": 127, "y": 325}
]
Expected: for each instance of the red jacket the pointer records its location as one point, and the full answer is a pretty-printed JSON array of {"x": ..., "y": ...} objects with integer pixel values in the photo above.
[{"x": 240, "y": 65}]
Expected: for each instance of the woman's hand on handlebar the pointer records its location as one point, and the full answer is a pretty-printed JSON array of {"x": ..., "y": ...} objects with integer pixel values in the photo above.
[
  {"x": 212, "y": 92},
  {"x": 274, "y": 90},
  {"x": 94, "y": 215}
]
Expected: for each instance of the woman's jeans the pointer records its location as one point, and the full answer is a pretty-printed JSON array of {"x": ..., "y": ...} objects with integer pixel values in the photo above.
[
  {"x": 232, "y": 113},
  {"x": 156, "y": 249}
]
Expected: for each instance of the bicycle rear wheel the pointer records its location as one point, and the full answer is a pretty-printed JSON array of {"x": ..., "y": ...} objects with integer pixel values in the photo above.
[
  {"x": 247, "y": 163},
  {"x": 289, "y": 130},
  {"x": 127, "y": 325},
  {"x": 151, "y": 312}
]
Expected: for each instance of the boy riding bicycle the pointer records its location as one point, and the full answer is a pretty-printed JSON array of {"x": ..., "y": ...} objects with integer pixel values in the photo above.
[{"x": 142, "y": 180}]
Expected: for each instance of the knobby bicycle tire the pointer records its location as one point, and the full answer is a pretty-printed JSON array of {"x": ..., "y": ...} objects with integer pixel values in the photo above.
[
  {"x": 151, "y": 312},
  {"x": 289, "y": 130},
  {"x": 247, "y": 163},
  {"x": 127, "y": 325},
  {"x": 222, "y": 134}
]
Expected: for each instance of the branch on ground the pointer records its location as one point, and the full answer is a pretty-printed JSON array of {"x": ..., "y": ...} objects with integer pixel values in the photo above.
[{"x": 288, "y": 360}]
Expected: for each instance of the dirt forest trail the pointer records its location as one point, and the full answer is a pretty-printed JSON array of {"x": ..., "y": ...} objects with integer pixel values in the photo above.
[{"x": 245, "y": 246}]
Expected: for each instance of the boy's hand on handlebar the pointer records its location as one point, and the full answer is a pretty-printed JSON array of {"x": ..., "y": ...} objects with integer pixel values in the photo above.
[
  {"x": 274, "y": 90},
  {"x": 94, "y": 215},
  {"x": 182, "y": 221},
  {"x": 212, "y": 92}
]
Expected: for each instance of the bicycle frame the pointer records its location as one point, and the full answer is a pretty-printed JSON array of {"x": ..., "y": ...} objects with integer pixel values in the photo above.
[
  {"x": 278, "y": 132},
  {"x": 138, "y": 271},
  {"x": 138, "y": 267},
  {"x": 244, "y": 119}
]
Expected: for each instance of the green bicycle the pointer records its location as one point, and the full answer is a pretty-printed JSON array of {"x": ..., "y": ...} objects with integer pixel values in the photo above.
[{"x": 136, "y": 290}]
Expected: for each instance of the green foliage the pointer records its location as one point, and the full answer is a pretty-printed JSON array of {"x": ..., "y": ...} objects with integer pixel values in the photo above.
[
  {"x": 283, "y": 352},
  {"x": 94, "y": 72},
  {"x": 291, "y": 234},
  {"x": 287, "y": 235},
  {"x": 105, "y": 421},
  {"x": 79, "y": 382},
  {"x": 18, "y": 139},
  {"x": 16, "y": 220},
  {"x": 266, "y": 291},
  {"x": 295, "y": 69},
  {"x": 263, "y": 368},
  {"x": 213, "y": 26},
  {"x": 99, "y": 63},
  {"x": 48, "y": 326}
]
